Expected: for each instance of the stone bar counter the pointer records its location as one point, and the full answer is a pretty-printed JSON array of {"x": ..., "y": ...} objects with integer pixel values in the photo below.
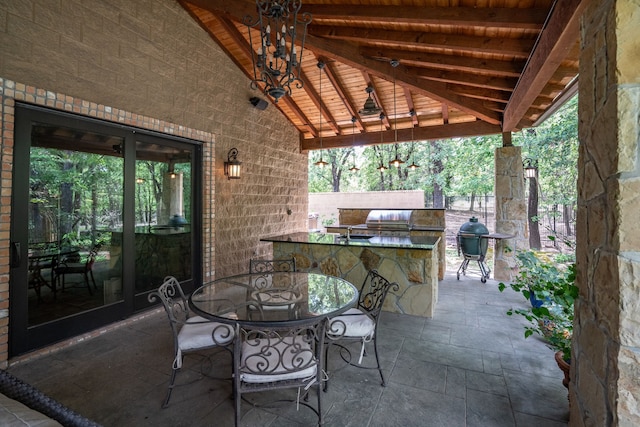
[
  {"x": 424, "y": 222},
  {"x": 412, "y": 262}
]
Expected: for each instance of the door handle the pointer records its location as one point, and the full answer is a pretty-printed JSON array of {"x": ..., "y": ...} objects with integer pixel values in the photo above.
[{"x": 15, "y": 255}]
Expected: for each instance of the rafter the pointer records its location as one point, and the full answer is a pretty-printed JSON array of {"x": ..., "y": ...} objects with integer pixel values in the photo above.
[
  {"x": 319, "y": 103},
  {"x": 342, "y": 93},
  {"x": 404, "y": 135},
  {"x": 556, "y": 39},
  {"x": 351, "y": 56},
  {"x": 475, "y": 16},
  {"x": 410, "y": 104},
  {"x": 421, "y": 39},
  {"x": 446, "y": 62},
  {"x": 467, "y": 78}
]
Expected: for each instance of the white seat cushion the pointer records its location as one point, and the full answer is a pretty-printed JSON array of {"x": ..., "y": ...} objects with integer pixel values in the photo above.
[
  {"x": 256, "y": 359},
  {"x": 357, "y": 324},
  {"x": 198, "y": 333}
]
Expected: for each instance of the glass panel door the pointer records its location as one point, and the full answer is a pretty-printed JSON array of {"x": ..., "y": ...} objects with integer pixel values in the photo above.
[
  {"x": 163, "y": 239},
  {"x": 101, "y": 213},
  {"x": 75, "y": 198}
]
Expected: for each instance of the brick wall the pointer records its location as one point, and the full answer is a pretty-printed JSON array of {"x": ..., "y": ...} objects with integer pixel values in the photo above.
[{"x": 148, "y": 63}]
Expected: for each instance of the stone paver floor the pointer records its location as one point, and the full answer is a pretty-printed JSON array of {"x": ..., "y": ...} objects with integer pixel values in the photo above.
[{"x": 467, "y": 366}]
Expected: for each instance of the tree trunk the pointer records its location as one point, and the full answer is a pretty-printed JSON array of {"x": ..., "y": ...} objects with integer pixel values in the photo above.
[
  {"x": 534, "y": 230},
  {"x": 566, "y": 215},
  {"x": 438, "y": 196},
  {"x": 473, "y": 202}
]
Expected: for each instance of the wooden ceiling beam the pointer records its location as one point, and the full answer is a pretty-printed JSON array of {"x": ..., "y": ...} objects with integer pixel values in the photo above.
[
  {"x": 555, "y": 42},
  {"x": 350, "y": 55},
  {"x": 318, "y": 102},
  {"x": 466, "y": 78},
  {"x": 446, "y": 62},
  {"x": 480, "y": 93},
  {"x": 445, "y": 114},
  {"x": 428, "y": 133},
  {"x": 475, "y": 16},
  {"x": 376, "y": 98},
  {"x": 342, "y": 92},
  {"x": 533, "y": 19},
  {"x": 519, "y": 48},
  {"x": 411, "y": 105}
]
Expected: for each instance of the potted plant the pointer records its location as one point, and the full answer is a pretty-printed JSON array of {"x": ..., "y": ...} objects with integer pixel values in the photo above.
[{"x": 547, "y": 282}]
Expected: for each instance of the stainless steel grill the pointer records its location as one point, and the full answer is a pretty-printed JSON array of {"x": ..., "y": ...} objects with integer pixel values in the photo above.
[{"x": 389, "y": 220}]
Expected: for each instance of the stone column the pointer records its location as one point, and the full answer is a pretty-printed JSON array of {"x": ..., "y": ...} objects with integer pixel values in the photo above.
[
  {"x": 605, "y": 369},
  {"x": 511, "y": 210}
]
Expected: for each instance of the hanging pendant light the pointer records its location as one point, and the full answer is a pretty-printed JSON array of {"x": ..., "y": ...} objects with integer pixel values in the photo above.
[
  {"x": 320, "y": 163},
  {"x": 381, "y": 167},
  {"x": 370, "y": 108},
  {"x": 413, "y": 166},
  {"x": 277, "y": 65},
  {"x": 353, "y": 167},
  {"x": 395, "y": 162}
]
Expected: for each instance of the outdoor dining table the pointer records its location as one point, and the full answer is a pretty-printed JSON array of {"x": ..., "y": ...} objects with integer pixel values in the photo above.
[{"x": 276, "y": 298}]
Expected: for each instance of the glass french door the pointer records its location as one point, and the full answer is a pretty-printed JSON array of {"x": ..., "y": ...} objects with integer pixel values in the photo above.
[{"x": 100, "y": 215}]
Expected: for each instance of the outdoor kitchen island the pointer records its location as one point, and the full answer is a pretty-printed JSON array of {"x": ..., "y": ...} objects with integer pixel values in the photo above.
[{"x": 412, "y": 262}]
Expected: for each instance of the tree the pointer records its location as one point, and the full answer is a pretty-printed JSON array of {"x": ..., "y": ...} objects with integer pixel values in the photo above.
[
  {"x": 554, "y": 146},
  {"x": 331, "y": 176}
]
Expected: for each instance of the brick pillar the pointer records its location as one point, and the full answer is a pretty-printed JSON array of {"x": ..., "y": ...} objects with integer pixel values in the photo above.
[
  {"x": 511, "y": 214},
  {"x": 605, "y": 370}
]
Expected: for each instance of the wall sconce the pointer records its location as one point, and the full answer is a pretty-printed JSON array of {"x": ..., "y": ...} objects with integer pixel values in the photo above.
[
  {"x": 232, "y": 165},
  {"x": 530, "y": 168}
]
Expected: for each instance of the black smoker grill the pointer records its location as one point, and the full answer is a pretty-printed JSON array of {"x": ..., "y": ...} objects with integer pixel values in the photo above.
[{"x": 473, "y": 247}]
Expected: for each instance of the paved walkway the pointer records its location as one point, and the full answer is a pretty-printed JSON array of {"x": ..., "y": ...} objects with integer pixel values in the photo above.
[{"x": 468, "y": 366}]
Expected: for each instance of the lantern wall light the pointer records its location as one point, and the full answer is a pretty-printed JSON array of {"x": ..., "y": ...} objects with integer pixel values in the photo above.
[
  {"x": 530, "y": 167},
  {"x": 232, "y": 165}
]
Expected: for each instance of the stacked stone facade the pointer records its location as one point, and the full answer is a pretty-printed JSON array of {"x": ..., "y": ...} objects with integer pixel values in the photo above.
[
  {"x": 605, "y": 370},
  {"x": 511, "y": 213},
  {"x": 148, "y": 64}
]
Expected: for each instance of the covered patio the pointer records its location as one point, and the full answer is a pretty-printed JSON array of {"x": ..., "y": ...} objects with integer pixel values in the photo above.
[
  {"x": 468, "y": 366},
  {"x": 156, "y": 66}
]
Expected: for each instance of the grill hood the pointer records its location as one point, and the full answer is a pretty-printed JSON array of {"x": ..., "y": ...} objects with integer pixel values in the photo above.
[{"x": 389, "y": 219}]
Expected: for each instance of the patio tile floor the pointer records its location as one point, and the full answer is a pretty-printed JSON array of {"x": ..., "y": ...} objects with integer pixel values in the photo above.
[{"x": 467, "y": 366}]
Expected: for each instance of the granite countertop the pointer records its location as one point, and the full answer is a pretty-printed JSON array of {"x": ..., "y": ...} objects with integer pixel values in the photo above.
[{"x": 413, "y": 242}]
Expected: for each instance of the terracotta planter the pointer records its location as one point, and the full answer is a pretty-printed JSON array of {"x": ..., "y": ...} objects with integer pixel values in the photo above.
[{"x": 564, "y": 366}]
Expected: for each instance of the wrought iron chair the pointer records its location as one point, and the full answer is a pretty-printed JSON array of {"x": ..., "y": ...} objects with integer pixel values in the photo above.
[
  {"x": 360, "y": 323},
  {"x": 73, "y": 264},
  {"x": 270, "y": 296},
  {"x": 271, "y": 265},
  {"x": 190, "y": 333},
  {"x": 272, "y": 358}
]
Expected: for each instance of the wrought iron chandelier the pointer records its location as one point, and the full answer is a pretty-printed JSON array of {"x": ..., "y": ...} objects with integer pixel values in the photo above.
[{"x": 276, "y": 62}]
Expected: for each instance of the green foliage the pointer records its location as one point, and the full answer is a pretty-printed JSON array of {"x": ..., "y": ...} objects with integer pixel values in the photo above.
[
  {"x": 549, "y": 288},
  {"x": 554, "y": 144},
  {"x": 458, "y": 166}
]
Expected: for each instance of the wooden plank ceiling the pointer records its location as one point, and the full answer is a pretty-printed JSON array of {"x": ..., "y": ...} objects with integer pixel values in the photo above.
[{"x": 466, "y": 67}]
